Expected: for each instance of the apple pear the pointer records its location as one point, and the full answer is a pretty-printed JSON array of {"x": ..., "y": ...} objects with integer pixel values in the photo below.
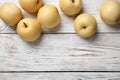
[
  {"x": 110, "y": 12},
  {"x": 31, "y": 6},
  {"x": 85, "y": 25},
  {"x": 71, "y": 7},
  {"x": 48, "y": 16},
  {"x": 10, "y": 14},
  {"x": 29, "y": 29}
]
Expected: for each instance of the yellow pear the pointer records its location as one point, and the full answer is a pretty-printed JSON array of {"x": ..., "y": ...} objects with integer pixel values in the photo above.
[
  {"x": 110, "y": 12},
  {"x": 71, "y": 7},
  {"x": 31, "y": 6},
  {"x": 10, "y": 14},
  {"x": 48, "y": 16},
  {"x": 85, "y": 25},
  {"x": 29, "y": 29}
]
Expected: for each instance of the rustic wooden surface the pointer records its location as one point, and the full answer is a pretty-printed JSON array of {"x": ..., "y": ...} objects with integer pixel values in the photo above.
[
  {"x": 61, "y": 52},
  {"x": 60, "y": 76}
]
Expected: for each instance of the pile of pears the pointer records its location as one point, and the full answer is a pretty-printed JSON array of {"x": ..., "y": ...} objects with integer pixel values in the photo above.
[{"x": 48, "y": 16}]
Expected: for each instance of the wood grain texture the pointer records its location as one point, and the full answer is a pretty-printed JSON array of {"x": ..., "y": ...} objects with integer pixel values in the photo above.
[
  {"x": 60, "y": 76},
  {"x": 66, "y": 26},
  {"x": 60, "y": 52}
]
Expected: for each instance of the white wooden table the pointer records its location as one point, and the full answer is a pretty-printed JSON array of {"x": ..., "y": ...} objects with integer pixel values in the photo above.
[{"x": 60, "y": 54}]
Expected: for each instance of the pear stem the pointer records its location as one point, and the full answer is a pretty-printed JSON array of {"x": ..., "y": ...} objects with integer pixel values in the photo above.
[
  {"x": 73, "y": 1},
  {"x": 37, "y": 1},
  {"x": 117, "y": 20},
  {"x": 84, "y": 27},
  {"x": 25, "y": 24}
]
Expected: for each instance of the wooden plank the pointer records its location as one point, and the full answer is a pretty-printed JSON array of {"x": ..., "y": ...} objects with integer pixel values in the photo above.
[
  {"x": 60, "y": 76},
  {"x": 66, "y": 26},
  {"x": 60, "y": 52}
]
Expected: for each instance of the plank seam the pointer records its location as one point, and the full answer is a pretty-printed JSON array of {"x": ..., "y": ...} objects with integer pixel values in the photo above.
[
  {"x": 73, "y": 33},
  {"x": 59, "y": 71}
]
